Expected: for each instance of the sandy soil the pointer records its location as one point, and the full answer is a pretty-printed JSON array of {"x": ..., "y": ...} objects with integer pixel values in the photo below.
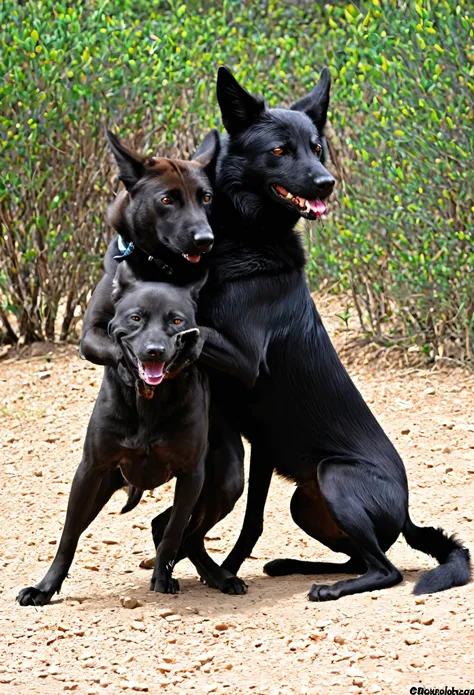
[{"x": 271, "y": 641}]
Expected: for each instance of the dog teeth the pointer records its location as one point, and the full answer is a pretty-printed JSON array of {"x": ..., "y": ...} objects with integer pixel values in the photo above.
[{"x": 289, "y": 196}]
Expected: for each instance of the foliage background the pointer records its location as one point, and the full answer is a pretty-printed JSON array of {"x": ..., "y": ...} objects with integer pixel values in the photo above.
[{"x": 399, "y": 237}]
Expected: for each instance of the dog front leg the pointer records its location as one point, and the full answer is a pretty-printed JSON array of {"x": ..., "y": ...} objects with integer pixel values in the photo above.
[
  {"x": 186, "y": 494},
  {"x": 91, "y": 489},
  {"x": 261, "y": 471}
]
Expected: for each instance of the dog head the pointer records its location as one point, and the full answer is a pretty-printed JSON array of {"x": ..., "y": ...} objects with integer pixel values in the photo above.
[
  {"x": 276, "y": 156},
  {"x": 166, "y": 202},
  {"x": 152, "y": 322}
]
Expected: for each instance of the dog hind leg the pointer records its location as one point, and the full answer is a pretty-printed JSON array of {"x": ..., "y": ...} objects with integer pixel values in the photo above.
[
  {"x": 311, "y": 514},
  {"x": 362, "y": 503}
]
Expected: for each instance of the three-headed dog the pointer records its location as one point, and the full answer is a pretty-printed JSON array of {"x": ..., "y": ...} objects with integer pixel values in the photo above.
[{"x": 145, "y": 428}]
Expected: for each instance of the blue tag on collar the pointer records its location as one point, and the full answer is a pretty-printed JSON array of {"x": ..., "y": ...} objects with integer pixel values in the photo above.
[{"x": 125, "y": 249}]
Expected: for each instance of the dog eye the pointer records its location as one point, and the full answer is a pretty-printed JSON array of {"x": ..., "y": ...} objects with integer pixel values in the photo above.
[
  {"x": 278, "y": 151},
  {"x": 177, "y": 321},
  {"x": 317, "y": 148},
  {"x": 207, "y": 197},
  {"x": 166, "y": 200},
  {"x": 135, "y": 317}
]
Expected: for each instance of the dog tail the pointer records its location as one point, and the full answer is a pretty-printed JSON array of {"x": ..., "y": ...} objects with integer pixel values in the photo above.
[
  {"x": 134, "y": 497},
  {"x": 453, "y": 558}
]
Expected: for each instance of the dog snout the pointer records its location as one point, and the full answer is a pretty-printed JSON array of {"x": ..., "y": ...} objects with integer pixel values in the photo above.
[
  {"x": 325, "y": 184},
  {"x": 156, "y": 351},
  {"x": 203, "y": 239}
]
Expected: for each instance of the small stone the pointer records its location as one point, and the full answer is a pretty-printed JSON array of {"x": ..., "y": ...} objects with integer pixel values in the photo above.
[
  {"x": 90, "y": 566},
  {"x": 417, "y": 663},
  {"x": 297, "y": 645},
  {"x": 109, "y": 541},
  {"x": 358, "y": 681},
  {"x": 447, "y": 450},
  {"x": 406, "y": 430},
  {"x": 449, "y": 469},
  {"x": 445, "y": 627},
  {"x": 420, "y": 601},
  {"x": 163, "y": 668},
  {"x": 38, "y": 474},
  {"x": 323, "y": 623},
  {"x": 165, "y": 612},
  {"x": 71, "y": 686},
  {"x": 427, "y": 621},
  {"x": 86, "y": 655},
  {"x": 221, "y": 626},
  {"x": 206, "y": 658},
  {"x": 138, "y": 625},
  {"x": 44, "y": 375},
  {"x": 174, "y": 618},
  {"x": 429, "y": 391},
  {"x": 129, "y": 601},
  {"x": 411, "y": 640}
]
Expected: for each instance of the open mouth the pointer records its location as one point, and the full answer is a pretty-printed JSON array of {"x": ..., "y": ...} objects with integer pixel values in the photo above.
[
  {"x": 192, "y": 259},
  {"x": 311, "y": 209},
  {"x": 151, "y": 372}
]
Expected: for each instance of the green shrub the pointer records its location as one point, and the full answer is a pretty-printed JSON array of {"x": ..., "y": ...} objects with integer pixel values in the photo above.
[
  {"x": 401, "y": 122},
  {"x": 403, "y": 115}
]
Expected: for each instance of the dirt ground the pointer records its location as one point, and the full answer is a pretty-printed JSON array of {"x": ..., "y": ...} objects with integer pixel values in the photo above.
[{"x": 271, "y": 641}]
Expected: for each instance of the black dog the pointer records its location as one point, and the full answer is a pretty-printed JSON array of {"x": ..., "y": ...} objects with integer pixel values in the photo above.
[
  {"x": 303, "y": 417},
  {"x": 162, "y": 219},
  {"x": 145, "y": 437}
]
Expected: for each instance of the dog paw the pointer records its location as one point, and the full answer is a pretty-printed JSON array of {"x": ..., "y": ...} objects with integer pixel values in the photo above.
[
  {"x": 322, "y": 592},
  {"x": 165, "y": 586},
  {"x": 32, "y": 596},
  {"x": 234, "y": 586}
]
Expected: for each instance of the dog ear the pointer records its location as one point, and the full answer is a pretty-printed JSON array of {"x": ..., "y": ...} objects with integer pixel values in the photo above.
[
  {"x": 132, "y": 166},
  {"x": 123, "y": 280},
  {"x": 316, "y": 103},
  {"x": 239, "y": 109},
  {"x": 195, "y": 287},
  {"x": 207, "y": 153}
]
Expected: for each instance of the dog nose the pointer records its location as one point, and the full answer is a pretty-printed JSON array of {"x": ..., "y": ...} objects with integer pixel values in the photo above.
[
  {"x": 325, "y": 184},
  {"x": 204, "y": 240},
  {"x": 156, "y": 350}
]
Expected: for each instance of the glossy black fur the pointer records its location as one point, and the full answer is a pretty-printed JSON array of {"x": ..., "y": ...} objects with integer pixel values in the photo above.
[
  {"x": 161, "y": 234},
  {"x": 294, "y": 400},
  {"x": 140, "y": 437}
]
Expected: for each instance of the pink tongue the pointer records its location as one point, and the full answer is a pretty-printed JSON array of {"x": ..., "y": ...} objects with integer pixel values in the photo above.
[
  {"x": 153, "y": 372},
  {"x": 192, "y": 259},
  {"x": 318, "y": 207}
]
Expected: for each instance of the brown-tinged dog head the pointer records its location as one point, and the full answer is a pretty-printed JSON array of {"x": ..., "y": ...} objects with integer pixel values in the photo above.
[{"x": 166, "y": 202}]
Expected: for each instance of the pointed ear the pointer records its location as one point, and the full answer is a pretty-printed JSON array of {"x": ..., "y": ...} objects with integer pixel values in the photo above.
[
  {"x": 207, "y": 153},
  {"x": 195, "y": 287},
  {"x": 239, "y": 108},
  {"x": 123, "y": 280},
  {"x": 132, "y": 166},
  {"x": 316, "y": 103}
]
